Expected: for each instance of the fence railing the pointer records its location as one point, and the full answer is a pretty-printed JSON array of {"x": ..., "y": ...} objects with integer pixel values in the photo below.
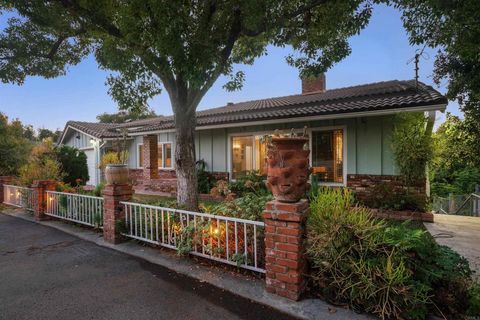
[
  {"x": 229, "y": 240},
  {"x": 466, "y": 205},
  {"x": 84, "y": 209},
  {"x": 17, "y": 196}
]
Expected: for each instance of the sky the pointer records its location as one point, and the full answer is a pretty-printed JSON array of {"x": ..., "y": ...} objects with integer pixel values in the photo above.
[{"x": 379, "y": 53}]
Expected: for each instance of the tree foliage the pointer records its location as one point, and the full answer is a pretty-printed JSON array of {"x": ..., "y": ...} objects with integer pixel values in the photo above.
[
  {"x": 412, "y": 146},
  {"x": 42, "y": 164},
  {"x": 122, "y": 116},
  {"x": 15, "y": 145},
  {"x": 454, "y": 28},
  {"x": 74, "y": 164},
  {"x": 456, "y": 166},
  {"x": 179, "y": 46}
]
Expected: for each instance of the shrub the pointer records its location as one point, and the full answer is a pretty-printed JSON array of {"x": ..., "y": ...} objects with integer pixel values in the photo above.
[
  {"x": 391, "y": 270},
  {"x": 74, "y": 164},
  {"x": 97, "y": 192},
  {"x": 113, "y": 157},
  {"x": 206, "y": 180},
  {"x": 385, "y": 196},
  {"x": 250, "y": 181},
  {"x": 42, "y": 165},
  {"x": 250, "y": 207}
]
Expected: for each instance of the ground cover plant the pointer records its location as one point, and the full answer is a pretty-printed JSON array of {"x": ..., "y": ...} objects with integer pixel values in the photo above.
[{"x": 393, "y": 270}]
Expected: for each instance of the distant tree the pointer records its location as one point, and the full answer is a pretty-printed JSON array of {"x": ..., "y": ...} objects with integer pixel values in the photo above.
[
  {"x": 74, "y": 165},
  {"x": 454, "y": 28},
  {"x": 29, "y": 132},
  {"x": 42, "y": 164},
  {"x": 15, "y": 145},
  {"x": 182, "y": 47},
  {"x": 46, "y": 133},
  {"x": 456, "y": 165},
  {"x": 122, "y": 116}
]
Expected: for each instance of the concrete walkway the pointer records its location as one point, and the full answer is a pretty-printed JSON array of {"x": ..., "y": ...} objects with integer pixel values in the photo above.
[
  {"x": 250, "y": 288},
  {"x": 460, "y": 233}
]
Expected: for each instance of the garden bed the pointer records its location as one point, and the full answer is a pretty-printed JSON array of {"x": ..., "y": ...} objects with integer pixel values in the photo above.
[{"x": 403, "y": 215}]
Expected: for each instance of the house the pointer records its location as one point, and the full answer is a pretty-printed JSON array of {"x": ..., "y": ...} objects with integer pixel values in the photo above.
[{"x": 349, "y": 128}]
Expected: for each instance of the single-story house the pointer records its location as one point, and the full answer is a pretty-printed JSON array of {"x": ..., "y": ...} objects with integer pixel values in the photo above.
[{"x": 349, "y": 128}]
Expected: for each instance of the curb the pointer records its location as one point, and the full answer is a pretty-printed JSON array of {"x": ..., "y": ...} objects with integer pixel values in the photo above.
[{"x": 245, "y": 287}]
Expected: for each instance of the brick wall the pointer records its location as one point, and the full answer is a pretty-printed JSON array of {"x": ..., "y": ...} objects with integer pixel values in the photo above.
[
  {"x": 364, "y": 184},
  {"x": 150, "y": 157}
]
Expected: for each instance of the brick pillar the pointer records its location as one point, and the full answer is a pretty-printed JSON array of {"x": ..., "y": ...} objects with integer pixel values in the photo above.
[
  {"x": 113, "y": 210},
  {"x": 40, "y": 197},
  {"x": 150, "y": 157},
  {"x": 284, "y": 236},
  {"x": 4, "y": 180}
]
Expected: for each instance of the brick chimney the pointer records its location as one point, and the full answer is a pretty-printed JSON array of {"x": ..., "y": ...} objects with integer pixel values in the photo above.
[{"x": 314, "y": 84}]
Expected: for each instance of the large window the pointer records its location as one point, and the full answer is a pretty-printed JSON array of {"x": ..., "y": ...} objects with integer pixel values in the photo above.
[
  {"x": 140, "y": 156},
  {"x": 248, "y": 153},
  {"x": 327, "y": 155},
  {"x": 164, "y": 155}
]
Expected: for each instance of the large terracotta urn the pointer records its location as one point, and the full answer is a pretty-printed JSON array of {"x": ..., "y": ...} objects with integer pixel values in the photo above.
[
  {"x": 288, "y": 168},
  {"x": 116, "y": 174}
]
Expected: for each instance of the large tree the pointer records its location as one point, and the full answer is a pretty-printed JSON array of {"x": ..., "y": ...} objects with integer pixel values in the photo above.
[
  {"x": 453, "y": 27},
  {"x": 124, "y": 116},
  {"x": 182, "y": 47},
  {"x": 15, "y": 145}
]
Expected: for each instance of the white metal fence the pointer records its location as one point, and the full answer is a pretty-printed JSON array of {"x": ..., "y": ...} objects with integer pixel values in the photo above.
[
  {"x": 87, "y": 210},
  {"x": 18, "y": 196},
  {"x": 229, "y": 240}
]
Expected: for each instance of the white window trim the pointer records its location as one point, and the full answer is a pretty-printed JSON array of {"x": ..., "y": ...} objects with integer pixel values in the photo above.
[
  {"x": 247, "y": 134},
  {"x": 163, "y": 153},
  {"x": 345, "y": 159},
  {"x": 139, "y": 165}
]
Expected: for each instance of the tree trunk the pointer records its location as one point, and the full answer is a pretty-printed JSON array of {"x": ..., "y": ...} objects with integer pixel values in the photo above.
[{"x": 187, "y": 190}]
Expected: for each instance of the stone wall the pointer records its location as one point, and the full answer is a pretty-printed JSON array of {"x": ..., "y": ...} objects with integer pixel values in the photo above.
[{"x": 363, "y": 184}]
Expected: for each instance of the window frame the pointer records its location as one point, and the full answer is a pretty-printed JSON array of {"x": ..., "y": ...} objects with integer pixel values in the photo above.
[
  {"x": 139, "y": 165},
  {"x": 344, "y": 140},
  {"x": 162, "y": 145},
  {"x": 252, "y": 134}
]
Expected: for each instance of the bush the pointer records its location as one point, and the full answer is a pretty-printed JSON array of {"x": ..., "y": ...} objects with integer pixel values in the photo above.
[
  {"x": 385, "y": 196},
  {"x": 206, "y": 180},
  {"x": 42, "y": 165},
  {"x": 250, "y": 181},
  {"x": 74, "y": 164},
  {"x": 391, "y": 270},
  {"x": 250, "y": 207}
]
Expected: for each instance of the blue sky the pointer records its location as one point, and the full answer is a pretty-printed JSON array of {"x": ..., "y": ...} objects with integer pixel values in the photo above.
[{"x": 379, "y": 53}]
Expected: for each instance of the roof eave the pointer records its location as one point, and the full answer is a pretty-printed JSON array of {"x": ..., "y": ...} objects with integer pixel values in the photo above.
[{"x": 432, "y": 107}]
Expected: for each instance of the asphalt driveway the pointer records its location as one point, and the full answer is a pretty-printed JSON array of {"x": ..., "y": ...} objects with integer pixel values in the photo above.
[{"x": 47, "y": 274}]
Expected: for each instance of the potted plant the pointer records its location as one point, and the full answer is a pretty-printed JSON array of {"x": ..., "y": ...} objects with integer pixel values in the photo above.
[
  {"x": 114, "y": 164},
  {"x": 288, "y": 166}
]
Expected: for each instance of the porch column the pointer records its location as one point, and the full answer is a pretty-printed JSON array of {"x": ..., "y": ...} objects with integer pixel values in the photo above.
[
  {"x": 40, "y": 188},
  {"x": 150, "y": 157}
]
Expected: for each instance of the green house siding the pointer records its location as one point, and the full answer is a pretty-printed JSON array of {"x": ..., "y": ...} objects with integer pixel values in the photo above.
[{"x": 367, "y": 141}]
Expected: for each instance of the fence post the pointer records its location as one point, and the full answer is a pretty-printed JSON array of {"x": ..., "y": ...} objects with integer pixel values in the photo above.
[
  {"x": 4, "y": 180},
  {"x": 40, "y": 197},
  {"x": 285, "y": 258},
  {"x": 113, "y": 211}
]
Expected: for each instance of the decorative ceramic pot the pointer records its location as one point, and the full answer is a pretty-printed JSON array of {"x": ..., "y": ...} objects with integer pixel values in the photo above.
[
  {"x": 116, "y": 174},
  {"x": 288, "y": 168}
]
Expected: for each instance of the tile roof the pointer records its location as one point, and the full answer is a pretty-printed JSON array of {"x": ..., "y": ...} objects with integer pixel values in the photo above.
[
  {"x": 387, "y": 95},
  {"x": 98, "y": 130},
  {"x": 378, "y": 96}
]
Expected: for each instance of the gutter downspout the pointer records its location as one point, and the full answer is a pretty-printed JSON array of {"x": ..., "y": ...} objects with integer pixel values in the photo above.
[
  {"x": 428, "y": 132},
  {"x": 97, "y": 159}
]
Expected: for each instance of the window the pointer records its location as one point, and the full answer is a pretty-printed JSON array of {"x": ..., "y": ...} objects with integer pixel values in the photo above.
[
  {"x": 327, "y": 155},
  {"x": 165, "y": 155},
  {"x": 140, "y": 156},
  {"x": 248, "y": 153}
]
